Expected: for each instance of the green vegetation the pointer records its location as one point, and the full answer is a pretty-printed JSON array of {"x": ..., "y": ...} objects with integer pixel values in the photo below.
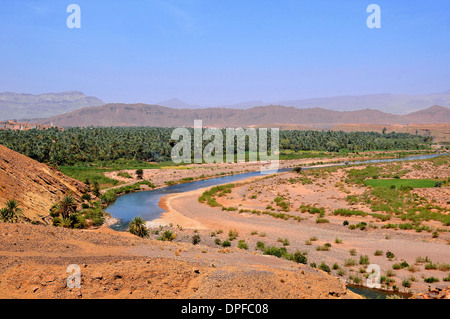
[
  {"x": 323, "y": 266},
  {"x": 226, "y": 243},
  {"x": 167, "y": 235},
  {"x": 124, "y": 174},
  {"x": 232, "y": 235},
  {"x": 137, "y": 227},
  {"x": 284, "y": 241},
  {"x": 401, "y": 265},
  {"x": 406, "y": 283},
  {"x": 152, "y": 144},
  {"x": 111, "y": 195},
  {"x": 282, "y": 203},
  {"x": 397, "y": 183},
  {"x": 312, "y": 210},
  {"x": 364, "y": 260},
  {"x": 65, "y": 213},
  {"x": 431, "y": 280},
  {"x": 378, "y": 253},
  {"x": 400, "y": 202},
  {"x": 281, "y": 252},
  {"x": 242, "y": 244},
  {"x": 12, "y": 213},
  {"x": 349, "y": 212},
  {"x": 196, "y": 239},
  {"x": 390, "y": 255},
  {"x": 323, "y": 248},
  {"x": 139, "y": 173}
]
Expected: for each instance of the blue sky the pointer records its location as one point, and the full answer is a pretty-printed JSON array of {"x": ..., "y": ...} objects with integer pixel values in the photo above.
[{"x": 212, "y": 52}]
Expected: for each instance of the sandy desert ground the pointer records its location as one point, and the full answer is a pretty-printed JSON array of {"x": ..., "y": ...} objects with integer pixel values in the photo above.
[
  {"x": 327, "y": 190},
  {"x": 34, "y": 262}
]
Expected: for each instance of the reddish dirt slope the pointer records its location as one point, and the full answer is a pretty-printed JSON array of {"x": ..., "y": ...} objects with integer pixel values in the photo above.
[{"x": 35, "y": 185}]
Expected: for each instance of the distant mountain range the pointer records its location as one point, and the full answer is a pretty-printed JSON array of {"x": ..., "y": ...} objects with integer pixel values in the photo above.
[
  {"x": 391, "y": 103},
  {"x": 16, "y": 106},
  {"x": 156, "y": 115},
  {"x": 375, "y": 108}
]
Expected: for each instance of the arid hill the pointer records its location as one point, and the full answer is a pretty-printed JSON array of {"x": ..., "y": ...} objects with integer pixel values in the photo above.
[
  {"x": 34, "y": 260},
  {"x": 34, "y": 185},
  {"x": 155, "y": 115}
]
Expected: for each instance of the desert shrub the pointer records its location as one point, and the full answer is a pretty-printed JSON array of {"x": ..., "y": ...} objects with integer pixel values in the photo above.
[
  {"x": 349, "y": 262},
  {"x": 349, "y": 212},
  {"x": 232, "y": 235},
  {"x": 322, "y": 220},
  {"x": 299, "y": 257},
  {"x": 323, "y": 266},
  {"x": 364, "y": 260},
  {"x": 226, "y": 243},
  {"x": 430, "y": 266},
  {"x": 284, "y": 241},
  {"x": 378, "y": 253},
  {"x": 390, "y": 273},
  {"x": 275, "y": 251},
  {"x": 297, "y": 169},
  {"x": 242, "y": 245},
  {"x": 401, "y": 265},
  {"x": 167, "y": 235},
  {"x": 390, "y": 255},
  {"x": 443, "y": 267},
  {"x": 406, "y": 283},
  {"x": 260, "y": 245},
  {"x": 431, "y": 280},
  {"x": 322, "y": 248},
  {"x": 196, "y": 239}
]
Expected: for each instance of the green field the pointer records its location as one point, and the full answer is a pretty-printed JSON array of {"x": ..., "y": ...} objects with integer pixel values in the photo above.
[{"x": 414, "y": 183}]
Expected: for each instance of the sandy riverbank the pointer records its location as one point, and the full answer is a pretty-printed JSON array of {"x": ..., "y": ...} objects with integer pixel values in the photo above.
[{"x": 407, "y": 245}]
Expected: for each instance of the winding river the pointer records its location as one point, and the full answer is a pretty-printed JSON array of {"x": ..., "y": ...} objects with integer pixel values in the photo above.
[{"x": 146, "y": 204}]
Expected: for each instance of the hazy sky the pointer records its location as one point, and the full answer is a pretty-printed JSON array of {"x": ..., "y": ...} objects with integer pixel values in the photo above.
[{"x": 212, "y": 52}]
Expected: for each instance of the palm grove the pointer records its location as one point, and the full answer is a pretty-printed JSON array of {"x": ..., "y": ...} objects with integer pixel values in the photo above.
[{"x": 84, "y": 145}]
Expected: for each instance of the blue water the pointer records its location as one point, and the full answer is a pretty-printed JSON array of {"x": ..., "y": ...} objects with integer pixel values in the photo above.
[{"x": 146, "y": 204}]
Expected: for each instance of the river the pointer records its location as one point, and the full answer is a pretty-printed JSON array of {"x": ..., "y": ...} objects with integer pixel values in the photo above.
[{"x": 146, "y": 204}]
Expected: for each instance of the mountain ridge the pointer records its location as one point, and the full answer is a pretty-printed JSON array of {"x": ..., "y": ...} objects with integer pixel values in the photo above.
[
  {"x": 23, "y": 106},
  {"x": 155, "y": 115}
]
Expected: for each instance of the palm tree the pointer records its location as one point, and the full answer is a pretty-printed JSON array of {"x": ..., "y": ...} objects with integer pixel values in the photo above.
[
  {"x": 137, "y": 227},
  {"x": 12, "y": 212},
  {"x": 65, "y": 207}
]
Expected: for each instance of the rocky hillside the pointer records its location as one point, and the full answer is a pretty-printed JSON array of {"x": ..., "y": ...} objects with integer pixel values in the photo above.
[
  {"x": 36, "y": 186},
  {"x": 155, "y": 115}
]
